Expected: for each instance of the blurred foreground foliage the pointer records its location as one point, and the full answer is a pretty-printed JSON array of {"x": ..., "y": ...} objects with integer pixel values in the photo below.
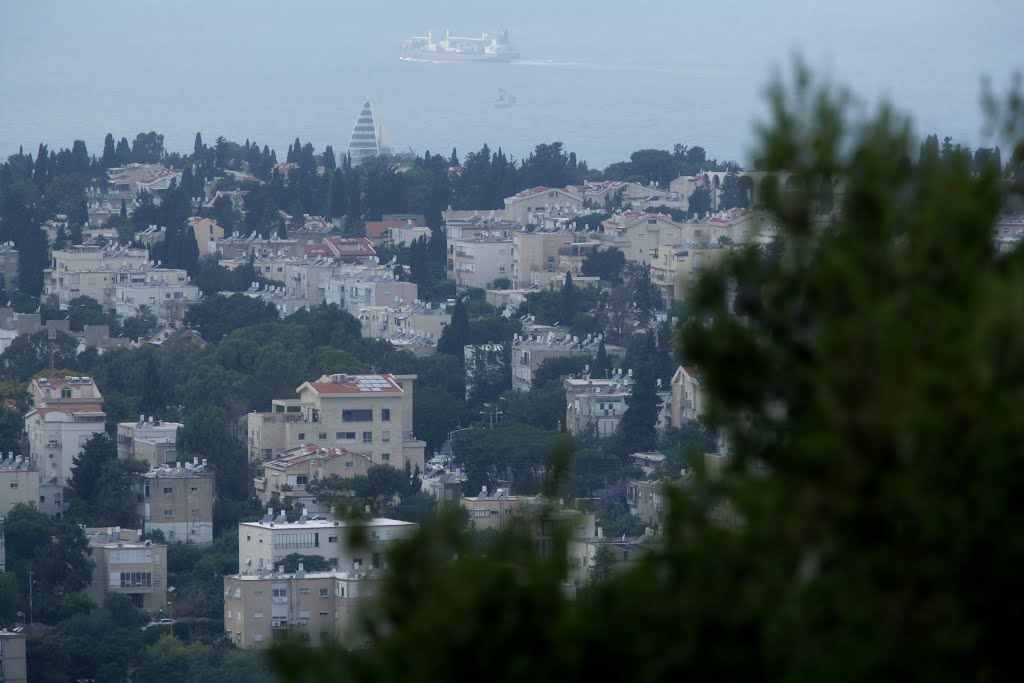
[{"x": 866, "y": 370}]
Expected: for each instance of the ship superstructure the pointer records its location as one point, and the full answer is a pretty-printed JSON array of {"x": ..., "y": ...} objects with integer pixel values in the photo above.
[{"x": 489, "y": 47}]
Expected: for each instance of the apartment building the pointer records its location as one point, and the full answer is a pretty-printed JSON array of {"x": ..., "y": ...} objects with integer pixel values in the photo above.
[
  {"x": 646, "y": 499},
  {"x": 91, "y": 271},
  {"x": 639, "y": 234},
  {"x": 498, "y": 509},
  {"x": 479, "y": 261},
  {"x": 290, "y": 472},
  {"x": 262, "y": 545},
  {"x": 378, "y": 289},
  {"x": 207, "y": 233},
  {"x": 583, "y": 553},
  {"x": 521, "y": 207},
  {"x": 264, "y": 608},
  {"x": 352, "y": 249},
  {"x": 471, "y": 224},
  {"x": 19, "y": 482},
  {"x": 541, "y": 254},
  {"x": 164, "y": 292},
  {"x": 178, "y": 501},
  {"x": 687, "y": 395},
  {"x": 151, "y": 441},
  {"x": 127, "y": 565},
  {"x": 673, "y": 269},
  {"x": 9, "y": 265},
  {"x": 67, "y": 413},
  {"x": 240, "y": 247},
  {"x": 598, "y": 404},
  {"x": 370, "y": 414},
  {"x": 410, "y": 319},
  {"x": 13, "y": 662},
  {"x": 530, "y": 351}
]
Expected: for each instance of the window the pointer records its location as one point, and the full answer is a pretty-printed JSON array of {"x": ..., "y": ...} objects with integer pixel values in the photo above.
[
  {"x": 324, "y": 592},
  {"x": 14, "y": 484},
  {"x": 385, "y": 457},
  {"x": 479, "y": 513},
  {"x": 258, "y": 591},
  {"x": 324, "y": 613},
  {"x": 280, "y": 592},
  {"x": 302, "y": 480},
  {"x": 194, "y": 489},
  {"x": 136, "y": 579},
  {"x": 367, "y": 437},
  {"x": 230, "y": 613},
  {"x": 302, "y": 436},
  {"x": 385, "y": 414},
  {"x": 346, "y": 436},
  {"x": 304, "y": 591},
  {"x": 168, "y": 490},
  {"x": 257, "y": 637},
  {"x": 357, "y": 416},
  {"x": 255, "y": 615},
  {"x": 168, "y": 512},
  {"x": 385, "y": 437},
  {"x": 65, "y": 393},
  {"x": 376, "y": 560},
  {"x": 322, "y": 436},
  {"x": 332, "y": 539}
]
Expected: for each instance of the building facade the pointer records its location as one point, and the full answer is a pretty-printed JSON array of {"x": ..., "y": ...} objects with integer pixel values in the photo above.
[
  {"x": 290, "y": 473},
  {"x": 149, "y": 440},
  {"x": 263, "y": 608},
  {"x": 370, "y": 414},
  {"x": 178, "y": 501},
  {"x": 478, "y": 262},
  {"x": 129, "y": 566},
  {"x": 67, "y": 413},
  {"x": 262, "y": 545},
  {"x": 19, "y": 482}
]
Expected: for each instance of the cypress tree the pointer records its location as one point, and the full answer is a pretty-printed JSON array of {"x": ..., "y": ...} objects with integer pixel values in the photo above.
[
  {"x": 109, "y": 157},
  {"x": 569, "y": 301}
]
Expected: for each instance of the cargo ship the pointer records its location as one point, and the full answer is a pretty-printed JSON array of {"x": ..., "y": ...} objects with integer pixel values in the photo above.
[{"x": 487, "y": 48}]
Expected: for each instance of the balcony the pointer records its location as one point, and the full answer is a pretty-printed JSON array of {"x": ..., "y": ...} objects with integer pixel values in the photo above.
[{"x": 260, "y": 483}]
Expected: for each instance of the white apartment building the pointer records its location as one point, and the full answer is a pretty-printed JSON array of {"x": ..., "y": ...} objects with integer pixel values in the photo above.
[
  {"x": 361, "y": 290},
  {"x": 178, "y": 501},
  {"x": 262, "y": 545},
  {"x": 539, "y": 252},
  {"x": 370, "y": 414},
  {"x": 471, "y": 224},
  {"x": 478, "y": 262},
  {"x": 165, "y": 292},
  {"x": 88, "y": 270},
  {"x": 149, "y": 440},
  {"x": 67, "y": 412},
  {"x": 415, "y": 319},
  {"x": 263, "y": 608},
  {"x": 521, "y": 207}
]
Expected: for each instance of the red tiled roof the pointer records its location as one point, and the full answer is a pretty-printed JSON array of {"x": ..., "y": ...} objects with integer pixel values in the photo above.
[
  {"x": 70, "y": 409},
  {"x": 377, "y": 229},
  {"x": 317, "y": 250}
]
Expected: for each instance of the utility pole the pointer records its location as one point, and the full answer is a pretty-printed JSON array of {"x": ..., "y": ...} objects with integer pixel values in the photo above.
[{"x": 31, "y": 617}]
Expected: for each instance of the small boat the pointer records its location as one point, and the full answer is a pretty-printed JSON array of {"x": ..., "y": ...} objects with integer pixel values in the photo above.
[{"x": 504, "y": 100}]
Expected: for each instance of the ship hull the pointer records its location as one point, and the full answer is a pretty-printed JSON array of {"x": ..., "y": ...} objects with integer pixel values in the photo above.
[{"x": 443, "y": 57}]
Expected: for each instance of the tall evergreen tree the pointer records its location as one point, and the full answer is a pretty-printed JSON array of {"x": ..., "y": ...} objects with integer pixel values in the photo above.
[
  {"x": 124, "y": 211},
  {"x": 638, "y": 427},
  {"x": 602, "y": 367},
  {"x": 198, "y": 147},
  {"x": 733, "y": 193},
  {"x": 109, "y": 157},
  {"x": 456, "y": 335}
]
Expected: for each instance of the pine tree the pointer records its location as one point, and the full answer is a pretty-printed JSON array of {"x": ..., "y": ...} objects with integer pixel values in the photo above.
[
  {"x": 109, "y": 158},
  {"x": 124, "y": 211},
  {"x": 456, "y": 335},
  {"x": 638, "y": 427},
  {"x": 700, "y": 201},
  {"x": 198, "y": 148},
  {"x": 602, "y": 367}
]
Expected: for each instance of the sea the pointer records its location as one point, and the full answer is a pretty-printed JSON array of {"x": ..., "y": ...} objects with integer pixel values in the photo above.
[{"x": 604, "y": 78}]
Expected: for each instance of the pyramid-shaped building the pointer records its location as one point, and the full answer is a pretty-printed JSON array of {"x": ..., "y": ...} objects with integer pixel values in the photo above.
[{"x": 367, "y": 136}]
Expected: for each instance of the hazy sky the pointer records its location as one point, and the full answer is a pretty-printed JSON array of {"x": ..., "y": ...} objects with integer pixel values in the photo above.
[{"x": 77, "y": 69}]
